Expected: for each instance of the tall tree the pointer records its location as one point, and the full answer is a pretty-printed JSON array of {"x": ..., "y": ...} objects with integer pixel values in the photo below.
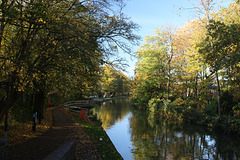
[
  {"x": 43, "y": 42},
  {"x": 205, "y": 9},
  {"x": 155, "y": 68},
  {"x": 222, "y": 48}
]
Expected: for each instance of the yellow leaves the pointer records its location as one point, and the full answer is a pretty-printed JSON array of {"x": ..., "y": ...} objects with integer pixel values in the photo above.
[
  {"x": 34, "y": 75},
  {"x": 21, "y": 132},
  {"x": 41, "y": 20},
  {"x": 145, "y": 77},
  {"x": 238, "y": 65},
  {"x": 54, "y": 43}
]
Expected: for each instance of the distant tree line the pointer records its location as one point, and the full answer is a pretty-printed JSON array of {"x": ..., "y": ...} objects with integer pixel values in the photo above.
[{"x": 114, "y": 82}]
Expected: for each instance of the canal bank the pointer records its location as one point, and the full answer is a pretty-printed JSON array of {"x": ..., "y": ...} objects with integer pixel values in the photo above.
[
  {"x": 109, "y": 99},
  {"x": 38, "y": 145},
  {"x": 98, "y": 136},
  {"x": 137, "y": 136}
]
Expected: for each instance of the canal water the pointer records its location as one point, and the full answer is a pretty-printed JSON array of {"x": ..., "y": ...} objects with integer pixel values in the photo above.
[{"x": 136, "y": 136}]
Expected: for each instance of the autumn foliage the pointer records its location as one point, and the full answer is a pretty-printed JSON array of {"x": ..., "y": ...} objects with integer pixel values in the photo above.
[
  {"x": 192, "y": 72},
  {"x": 55, "y": 49}
]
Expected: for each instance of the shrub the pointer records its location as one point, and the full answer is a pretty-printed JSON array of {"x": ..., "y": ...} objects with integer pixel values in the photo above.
[
  {"x": 190, "y": 102},
  {"x": 178, "y": 102},
  {"x": 192, "y": 115},
  {"x": 227, "y": 103},
  {"x": 155, "y": 104},
  {"x": 211, "y": 109},
  {"x": 236, "y": 110}
]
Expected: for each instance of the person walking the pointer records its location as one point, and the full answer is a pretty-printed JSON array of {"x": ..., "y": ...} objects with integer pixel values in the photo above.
[{"x": 34, "y": 119}]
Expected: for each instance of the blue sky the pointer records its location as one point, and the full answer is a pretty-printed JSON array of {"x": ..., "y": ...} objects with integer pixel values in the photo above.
[{"x": 150, "y": 14}]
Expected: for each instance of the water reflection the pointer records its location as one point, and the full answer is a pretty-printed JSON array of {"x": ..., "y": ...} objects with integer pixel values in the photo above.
[
  {"x": 138, "y": 137},
  {"x": 111, "y": 112}
]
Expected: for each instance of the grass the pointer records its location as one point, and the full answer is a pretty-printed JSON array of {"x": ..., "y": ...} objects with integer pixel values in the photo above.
[{"x": 98, "y": 135}]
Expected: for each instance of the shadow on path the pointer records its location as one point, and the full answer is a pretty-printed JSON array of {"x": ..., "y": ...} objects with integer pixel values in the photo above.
[{"x": 63, "y": 130}]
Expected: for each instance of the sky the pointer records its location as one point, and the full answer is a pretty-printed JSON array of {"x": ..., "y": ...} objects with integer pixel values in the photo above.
[{"x": 151, "y": 14}]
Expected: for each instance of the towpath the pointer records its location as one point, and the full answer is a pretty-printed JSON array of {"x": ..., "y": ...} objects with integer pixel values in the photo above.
[{"x": 63, "y": 130}]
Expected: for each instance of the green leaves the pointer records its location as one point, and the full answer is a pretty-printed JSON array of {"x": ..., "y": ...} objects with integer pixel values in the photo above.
[
  {"x": 114, "y": 82},
  {"x": 220, "y": 48},
  {"x": 181, "y": 64},
  {"x": 57, "y": 47}
]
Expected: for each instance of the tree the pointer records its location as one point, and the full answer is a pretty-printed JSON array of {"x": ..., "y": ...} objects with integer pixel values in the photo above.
[
  {"x": 193, "y": 67},
  {"x": 190, "y": 57},
  {"x": 206, "y": 7},
  {"x": 155, "y": 68},
  {"x": 114, "y": 81},
  {"x": 48, "y": 46},
  {"x": 221, "y": 48}
]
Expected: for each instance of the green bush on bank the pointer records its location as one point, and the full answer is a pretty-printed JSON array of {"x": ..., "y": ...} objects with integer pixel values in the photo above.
[
  {"x": 236, "y": 111},
  {"x": 177, "y": 112}
]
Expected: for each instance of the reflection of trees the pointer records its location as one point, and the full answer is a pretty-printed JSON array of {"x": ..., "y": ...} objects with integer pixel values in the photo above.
[
  {"x": 156, "y": 140},
  {"x": 228, "y": 147},
  {"x": 153, "y": 139},
  {"x": 111, "y": 112}
]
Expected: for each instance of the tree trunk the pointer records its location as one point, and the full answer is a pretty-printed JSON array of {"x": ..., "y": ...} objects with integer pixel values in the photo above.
[
  {"x": 196, "y": 90},
  {"x": 168, "y": 87},
  {"x": 7, "y": 106},
  {"x": 8, "y": 103},
  {"x": 218, "y": 94}
]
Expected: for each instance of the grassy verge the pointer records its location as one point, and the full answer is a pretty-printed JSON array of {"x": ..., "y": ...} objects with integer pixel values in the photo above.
[{"x": 103, "y": 143}]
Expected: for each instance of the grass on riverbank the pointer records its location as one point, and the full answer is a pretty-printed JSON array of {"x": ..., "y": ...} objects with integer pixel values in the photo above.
[{"x": 103, "y": 143}]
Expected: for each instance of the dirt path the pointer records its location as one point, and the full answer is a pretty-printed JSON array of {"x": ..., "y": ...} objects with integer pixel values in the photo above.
[{"x": 63, "y": 130}]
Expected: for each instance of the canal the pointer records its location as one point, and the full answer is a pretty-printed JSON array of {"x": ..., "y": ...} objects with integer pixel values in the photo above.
[{"x": 136, "y": 136}]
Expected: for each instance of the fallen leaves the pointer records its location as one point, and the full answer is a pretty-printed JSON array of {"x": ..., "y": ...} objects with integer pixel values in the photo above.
[{"x": 21, "y": 132}]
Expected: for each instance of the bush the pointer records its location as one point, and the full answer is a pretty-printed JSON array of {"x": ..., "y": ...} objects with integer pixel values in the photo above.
[
  {"x": 155, "y": 104},
  {"x": 179, "y": 109},
  {"x": 236, "y": 110},
  {"x": 211, "y": 109},
  {"x": 192, "y": 115},
  {"x": 190, "y": 102},
  {"x": 227, "y": 103},
  {"x": 178, "y": 102}
]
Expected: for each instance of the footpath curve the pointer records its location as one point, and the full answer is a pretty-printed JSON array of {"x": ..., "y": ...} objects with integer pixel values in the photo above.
[{"x": 64, "y": 129}]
